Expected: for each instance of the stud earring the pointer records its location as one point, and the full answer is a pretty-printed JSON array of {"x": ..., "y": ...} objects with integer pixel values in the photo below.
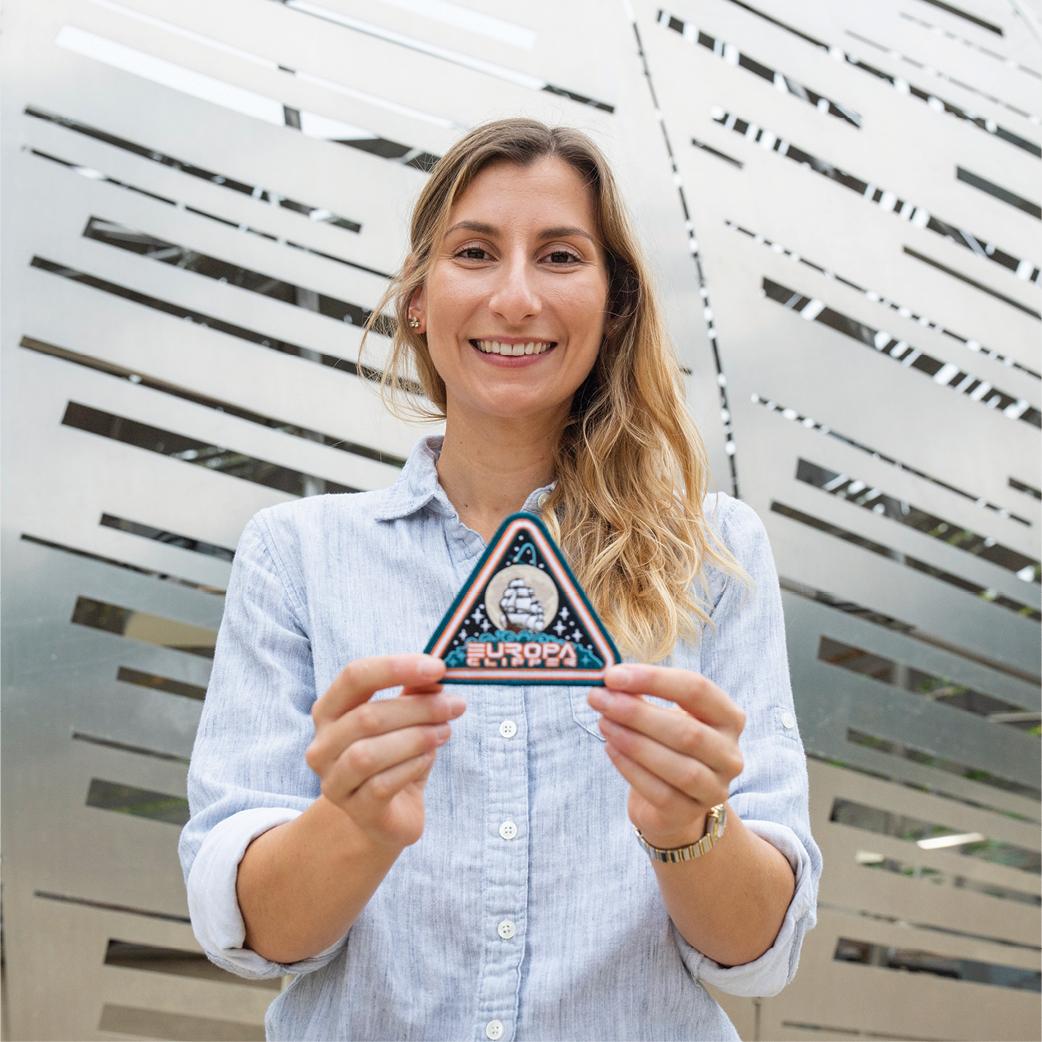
[{"x": 414, "y": 322}]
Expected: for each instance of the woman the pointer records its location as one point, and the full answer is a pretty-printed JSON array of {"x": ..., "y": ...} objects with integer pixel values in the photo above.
[{"x": 485, "y": 862}]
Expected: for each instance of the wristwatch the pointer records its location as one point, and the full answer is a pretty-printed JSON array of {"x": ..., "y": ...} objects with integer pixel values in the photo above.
[{"x": 716, "y": 822}]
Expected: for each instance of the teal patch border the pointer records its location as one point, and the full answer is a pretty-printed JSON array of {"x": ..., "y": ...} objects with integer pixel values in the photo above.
[{"x": 536, "y": 522}]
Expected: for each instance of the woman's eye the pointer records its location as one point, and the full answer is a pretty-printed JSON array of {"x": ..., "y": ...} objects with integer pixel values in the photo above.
[{"x": 478, "y": 253}]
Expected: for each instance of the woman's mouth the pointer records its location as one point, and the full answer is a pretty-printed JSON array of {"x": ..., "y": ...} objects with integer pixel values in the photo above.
[
  {"x": 501, "y": 355},
  {"x": 496, "y": 348}
]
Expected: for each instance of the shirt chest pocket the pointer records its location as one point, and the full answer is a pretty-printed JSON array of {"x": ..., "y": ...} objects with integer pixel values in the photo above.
[
  {"x": 583, "y": 714},
  {"x": 586, "y": 717}
]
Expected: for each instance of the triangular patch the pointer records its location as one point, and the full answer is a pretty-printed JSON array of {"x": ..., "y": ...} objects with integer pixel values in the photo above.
[{"x": 522, "y": 617}]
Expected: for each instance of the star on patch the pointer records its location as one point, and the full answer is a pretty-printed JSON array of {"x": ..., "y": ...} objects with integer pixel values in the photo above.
[{"x": 540, "y": 628}]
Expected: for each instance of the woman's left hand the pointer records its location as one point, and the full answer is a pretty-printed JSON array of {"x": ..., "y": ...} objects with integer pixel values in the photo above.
[{"x": 678, "y": 764}]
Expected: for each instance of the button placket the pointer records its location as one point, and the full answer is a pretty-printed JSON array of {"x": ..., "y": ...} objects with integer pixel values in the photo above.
[{"x": 505, "y": 857}]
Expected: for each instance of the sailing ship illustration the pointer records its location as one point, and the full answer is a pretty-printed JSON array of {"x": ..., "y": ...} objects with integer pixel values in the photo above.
[{"x": 521, "y": 607}]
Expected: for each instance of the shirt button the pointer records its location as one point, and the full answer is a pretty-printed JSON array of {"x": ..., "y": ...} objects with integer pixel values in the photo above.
[
  {"x": 494, "y": 1029},
  {"x": 506, "y": 929},
  {"x": 508, "y": 729},
  {"x": 508, "y": 830},
  {"x": 788, "y": 720}
]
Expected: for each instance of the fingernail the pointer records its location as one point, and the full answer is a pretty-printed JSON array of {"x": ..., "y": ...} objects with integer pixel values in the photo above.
[
  {"x": 456, "y": 706},
  {"x": 599, "y": 698},
  {"x": 619, "y": 675},
  {"x": 430, "y": 667}
]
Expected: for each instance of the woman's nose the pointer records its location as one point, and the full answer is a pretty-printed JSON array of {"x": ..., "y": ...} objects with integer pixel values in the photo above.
[{"x": 515, "y": 297}]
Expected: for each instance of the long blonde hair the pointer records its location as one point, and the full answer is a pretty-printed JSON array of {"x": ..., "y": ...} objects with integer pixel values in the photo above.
[{"x": 631, "y": 467}]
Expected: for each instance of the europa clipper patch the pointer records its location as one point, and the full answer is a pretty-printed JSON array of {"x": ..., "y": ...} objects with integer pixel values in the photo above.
[{"x": 522, "y": 617}]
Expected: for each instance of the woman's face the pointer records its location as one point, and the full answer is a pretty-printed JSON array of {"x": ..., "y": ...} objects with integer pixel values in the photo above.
[{"x": 519, "y": 265}]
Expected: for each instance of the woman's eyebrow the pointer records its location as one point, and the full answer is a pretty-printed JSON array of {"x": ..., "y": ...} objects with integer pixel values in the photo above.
[{"x": 547, "y": 233}]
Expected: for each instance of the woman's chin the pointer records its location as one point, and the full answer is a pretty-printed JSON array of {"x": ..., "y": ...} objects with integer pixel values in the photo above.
[{"x": 513, "y": 405}]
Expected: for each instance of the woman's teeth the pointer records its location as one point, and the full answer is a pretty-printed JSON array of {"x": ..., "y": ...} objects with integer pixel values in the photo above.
[{"x": 494, "y": 347}]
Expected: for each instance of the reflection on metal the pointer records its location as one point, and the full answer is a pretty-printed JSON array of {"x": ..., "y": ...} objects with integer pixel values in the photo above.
[
  {"x": 313, "y": 213},
  {"x": 134, "y": 241},
  {"x": 142, "y": 380},
  {"x": 885, "y": 199},
  {"x": 856, "y": 491},
  {"x": 938, "y": 689},
  {"x": 928, "y": 835},
  {"x": 190, "y": 450},
  {"x": 997, "y": 974},
  {"x": 158, "y": 683},
  {"x": 886, "y": 550},
  {"x": 919, "y": 756},
  {"x": 144, "y": 626},
  {"x": 138, "y": 1022},
  {"x": 767, "y": 152},
  {"x": 142, "y": 803},
  {"x": 335, "y": 362},
  {"x": 124, "y": 524},
  {"x": 916, "y": 870}
]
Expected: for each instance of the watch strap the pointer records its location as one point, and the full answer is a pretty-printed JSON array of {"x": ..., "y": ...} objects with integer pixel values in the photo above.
[{"x": 716, "y": 819}]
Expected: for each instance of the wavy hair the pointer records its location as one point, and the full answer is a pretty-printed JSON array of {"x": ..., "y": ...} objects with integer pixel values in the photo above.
[{"x": 631, "y": 467}]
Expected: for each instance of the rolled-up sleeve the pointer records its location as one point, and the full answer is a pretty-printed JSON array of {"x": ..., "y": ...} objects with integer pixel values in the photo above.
[
  {"x": 745, "y": 655},
  {"x": 247, "y": 772}
]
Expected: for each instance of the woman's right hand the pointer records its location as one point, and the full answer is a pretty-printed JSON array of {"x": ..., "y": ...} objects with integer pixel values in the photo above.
[{"x": 374, "y": 758}]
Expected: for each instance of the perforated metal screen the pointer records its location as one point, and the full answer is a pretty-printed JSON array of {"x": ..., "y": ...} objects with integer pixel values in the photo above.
[{"x": 841, "y": 202}]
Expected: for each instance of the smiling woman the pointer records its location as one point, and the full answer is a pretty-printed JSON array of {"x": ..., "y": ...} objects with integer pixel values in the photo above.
[{"x": 344, "y": 825}]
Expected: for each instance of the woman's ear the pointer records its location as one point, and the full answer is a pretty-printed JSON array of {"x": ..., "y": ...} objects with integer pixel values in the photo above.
[
  {"x": 417, "y": 306},
  {"x": 417, "y": 310}
]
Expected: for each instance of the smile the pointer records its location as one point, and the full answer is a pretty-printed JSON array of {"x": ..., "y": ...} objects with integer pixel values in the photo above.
[{"x": 496, "y": 347}]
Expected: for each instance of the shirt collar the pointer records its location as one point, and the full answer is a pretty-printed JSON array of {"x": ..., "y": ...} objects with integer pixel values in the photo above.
[{"x": 418, "y": 486}]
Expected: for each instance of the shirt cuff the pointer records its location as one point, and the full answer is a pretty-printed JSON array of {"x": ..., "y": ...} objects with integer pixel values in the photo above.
[
  {"x": 776, "y": 967},
  {"x": 214, "y": 906}
]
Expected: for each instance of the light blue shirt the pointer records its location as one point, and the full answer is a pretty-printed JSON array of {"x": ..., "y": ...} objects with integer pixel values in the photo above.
[{"x": 527, "y": 910}]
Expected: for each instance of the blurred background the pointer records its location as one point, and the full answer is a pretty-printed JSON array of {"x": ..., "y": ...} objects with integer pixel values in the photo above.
[{"x": 201, "y": 203}]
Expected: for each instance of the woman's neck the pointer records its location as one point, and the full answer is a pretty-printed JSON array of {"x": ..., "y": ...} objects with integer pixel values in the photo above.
[{"x": 489, "y": 469}]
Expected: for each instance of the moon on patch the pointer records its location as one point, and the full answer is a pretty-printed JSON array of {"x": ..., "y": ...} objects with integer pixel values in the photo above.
[{"x": 541, "y": 585}]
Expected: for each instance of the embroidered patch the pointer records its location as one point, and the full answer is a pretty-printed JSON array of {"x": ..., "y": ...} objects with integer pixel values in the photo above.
[{"x": 522, "y": 617}]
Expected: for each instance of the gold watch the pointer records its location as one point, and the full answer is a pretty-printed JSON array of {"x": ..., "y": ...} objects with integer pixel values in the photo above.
[{"x": 716, "y": 822}]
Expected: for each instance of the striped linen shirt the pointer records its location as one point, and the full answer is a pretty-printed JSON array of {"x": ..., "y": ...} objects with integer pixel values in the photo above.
[{"x": 527, "y": 910}]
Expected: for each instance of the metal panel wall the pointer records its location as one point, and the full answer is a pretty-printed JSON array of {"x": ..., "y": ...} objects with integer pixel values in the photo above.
[{"x": 842, "y": 204}]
